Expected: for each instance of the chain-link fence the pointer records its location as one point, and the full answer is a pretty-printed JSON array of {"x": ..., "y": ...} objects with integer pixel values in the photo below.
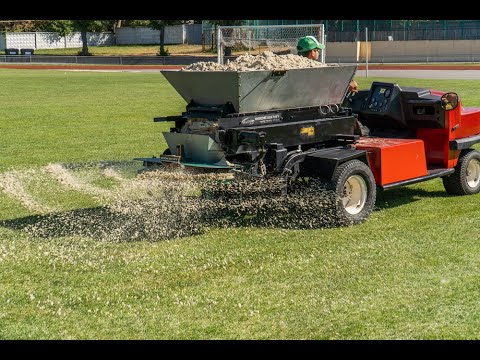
[
  {"x": 383, "y": 30},
  {"x": 279, "y": 39},
  {"x": 379, "y": 30}
]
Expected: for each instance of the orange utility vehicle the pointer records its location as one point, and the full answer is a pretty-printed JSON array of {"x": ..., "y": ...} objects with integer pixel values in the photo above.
[{"x": 417, "y": 134}]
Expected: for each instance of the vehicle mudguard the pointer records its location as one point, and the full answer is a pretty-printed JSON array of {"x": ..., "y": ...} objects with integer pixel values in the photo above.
[{"x": 323, "y": 162}]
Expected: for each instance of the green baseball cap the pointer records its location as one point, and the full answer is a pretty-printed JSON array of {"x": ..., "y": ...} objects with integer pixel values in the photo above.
[{"x": 308, "y": 43}]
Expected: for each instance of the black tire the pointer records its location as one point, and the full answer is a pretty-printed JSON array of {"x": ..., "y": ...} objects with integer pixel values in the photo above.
[
  {"x": 167, "y": 152},
  {"x": 466, "y": 178},
  {"x": 357, "y": 176}
]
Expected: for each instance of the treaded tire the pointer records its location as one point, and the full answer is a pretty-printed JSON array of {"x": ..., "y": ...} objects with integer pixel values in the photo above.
[
  {"x": 457, "y": 183},
  {"x": 356, "y": 170}
]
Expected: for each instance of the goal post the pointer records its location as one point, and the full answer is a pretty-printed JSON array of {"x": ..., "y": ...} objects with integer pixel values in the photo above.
[{"x": 279, "y": 39}]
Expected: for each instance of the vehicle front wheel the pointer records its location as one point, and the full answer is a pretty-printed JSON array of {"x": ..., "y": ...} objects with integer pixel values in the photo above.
[
  {"x": 354, "y": 191},
  {"x": 466, "y": 178}
]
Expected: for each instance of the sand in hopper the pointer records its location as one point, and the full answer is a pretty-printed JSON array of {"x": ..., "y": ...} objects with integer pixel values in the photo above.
[{"x": 267, "y": 60}]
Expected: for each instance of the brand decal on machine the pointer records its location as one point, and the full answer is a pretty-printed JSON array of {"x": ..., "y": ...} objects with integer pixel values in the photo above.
[{"x": 261, "y": 119}]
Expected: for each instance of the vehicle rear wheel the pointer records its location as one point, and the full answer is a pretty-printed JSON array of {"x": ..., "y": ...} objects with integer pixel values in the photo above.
[
  {"x": 354, "y": 189},
  {"x": 466, "y": 178}
]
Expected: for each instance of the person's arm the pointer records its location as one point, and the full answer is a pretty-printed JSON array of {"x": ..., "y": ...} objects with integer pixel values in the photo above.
[{"x": 353, "y": 86}]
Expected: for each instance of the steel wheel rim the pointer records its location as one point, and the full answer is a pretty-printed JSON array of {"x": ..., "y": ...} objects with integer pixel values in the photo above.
[
  {"x": 473, "y": 173},
  {"x": 355, "y": 194}
]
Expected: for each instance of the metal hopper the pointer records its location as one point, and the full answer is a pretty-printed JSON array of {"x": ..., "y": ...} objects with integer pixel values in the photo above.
[{"x": 264, "y": 90}]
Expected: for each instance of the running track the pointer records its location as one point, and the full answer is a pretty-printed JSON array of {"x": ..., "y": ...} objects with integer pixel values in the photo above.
[{"x": 458, "y": 72}]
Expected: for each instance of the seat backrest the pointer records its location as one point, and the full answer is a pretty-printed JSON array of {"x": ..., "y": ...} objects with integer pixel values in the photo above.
[{"x": 424, "y": 113}]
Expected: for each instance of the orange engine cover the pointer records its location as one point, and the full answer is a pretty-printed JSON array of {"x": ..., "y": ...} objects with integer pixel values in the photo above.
[{"x": 393, "y": 160}]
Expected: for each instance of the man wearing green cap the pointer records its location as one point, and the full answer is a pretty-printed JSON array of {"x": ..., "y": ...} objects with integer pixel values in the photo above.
[{"x": 309, "y": 47}]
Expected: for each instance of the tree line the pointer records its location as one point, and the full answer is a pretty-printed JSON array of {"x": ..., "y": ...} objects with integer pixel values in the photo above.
[{"x": 66, "y": 27}]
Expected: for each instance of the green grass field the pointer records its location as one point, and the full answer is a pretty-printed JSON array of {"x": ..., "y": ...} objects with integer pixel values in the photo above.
[
  {"x": 128, "y": 50},
  {"x": 409, "y": 272},
  {"x": 140, "y": 50}
]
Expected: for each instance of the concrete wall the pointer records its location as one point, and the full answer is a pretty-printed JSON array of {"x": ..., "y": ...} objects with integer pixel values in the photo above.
[
  {"x": 410, "y": 51},
  {"x": 20, "y": 40},
  {"x": 341, "y": 49},
  {"x": 3, "y": 43},
  {"x": 177, "y": 34},
  {"x": 426, "y": 47},
  {"x": 51, "y": 40},
  {"x": 46, "y": 41},
  {"x": 139, "y": 35},
  {"x": 193, "y": 34}
]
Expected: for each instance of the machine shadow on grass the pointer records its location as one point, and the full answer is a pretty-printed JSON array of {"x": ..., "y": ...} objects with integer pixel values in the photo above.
[
  {"x": 405, "y": 195},
  {"x": 89, "y": 222},
  {"x": 157, "y": 219},
  {"x": 154, "y": 218},
  {"x": 103, "y": 223}
]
